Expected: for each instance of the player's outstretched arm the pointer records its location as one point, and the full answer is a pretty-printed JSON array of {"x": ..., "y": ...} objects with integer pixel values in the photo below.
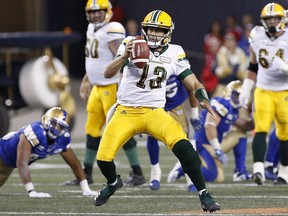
[
  {"x": 71, "y": 159},
  {"x": 23, "y": 158}
]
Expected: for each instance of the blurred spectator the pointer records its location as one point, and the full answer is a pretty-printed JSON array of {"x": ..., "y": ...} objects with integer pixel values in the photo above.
[
  {"x": 233, "y": 26},
  {"x": 118, "y": 12},
  {"x": 247, "y": 19},
  {"x": 212, "y": 42},
  {"x": 243, "y": 42},
  {"x": 230, "y": 63},
  {"x": 132, "y": 28}
]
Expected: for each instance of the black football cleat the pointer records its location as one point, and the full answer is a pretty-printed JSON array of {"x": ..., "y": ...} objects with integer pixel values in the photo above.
[
  {"x": 280, "y": 181},
  {"x": 258, "y": 178},
  {"x": 106, "y": 192},
  {"x": 208, "y": 203}
]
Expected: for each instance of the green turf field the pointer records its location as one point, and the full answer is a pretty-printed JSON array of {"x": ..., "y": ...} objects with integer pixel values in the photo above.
[{"x": 244, "y": 198}]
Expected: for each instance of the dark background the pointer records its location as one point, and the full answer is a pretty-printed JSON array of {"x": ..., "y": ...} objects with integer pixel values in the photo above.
[{"x": 192, "y": 21}]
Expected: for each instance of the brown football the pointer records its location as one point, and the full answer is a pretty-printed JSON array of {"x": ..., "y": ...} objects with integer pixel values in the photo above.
[{"x": 140, "y": 52}]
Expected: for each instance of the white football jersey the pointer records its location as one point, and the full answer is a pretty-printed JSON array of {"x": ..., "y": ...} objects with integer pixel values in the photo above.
[
  {"x": 147, "y": 87},
  {"x": 98, "y": 54},
  {"x": 265, "y": 49}
]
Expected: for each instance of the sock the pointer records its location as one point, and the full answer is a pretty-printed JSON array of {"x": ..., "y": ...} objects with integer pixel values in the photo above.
[
  {"x": 190, "y": 162},
  {"x": 283, "y": 152},
  {"x": 259, "y": 147},
  {"x": 272, "y": 155},
  {"x": 153, "y": 150},
  {"x": 88, "y": 169},
  {"x": 131, "y": 152},
  {"x": 201, "y": 191},
  {"x": 92, "y": 144},
  {"x": 108, "y": 169},
  {"x": 240, "y": 154},
  {"x": 137, "y": 170}
]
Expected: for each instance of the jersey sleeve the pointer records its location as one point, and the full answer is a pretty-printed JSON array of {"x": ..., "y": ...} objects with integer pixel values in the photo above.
[
  {"x": 34, "y": 133},
  {"x": 182, "y": 63},
  {"x": 219, "y": 107},
  {"x": 115, "y": 31},
  {"x": 257, "y": 30},
  {"x": 121, "y": 48}
]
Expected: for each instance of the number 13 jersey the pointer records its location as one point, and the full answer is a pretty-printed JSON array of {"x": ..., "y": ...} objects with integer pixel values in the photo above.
[{"x": 147, "y": 87}]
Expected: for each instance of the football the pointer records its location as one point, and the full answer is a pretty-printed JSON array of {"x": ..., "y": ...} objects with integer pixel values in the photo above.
[{"x": 140, "y": 52}]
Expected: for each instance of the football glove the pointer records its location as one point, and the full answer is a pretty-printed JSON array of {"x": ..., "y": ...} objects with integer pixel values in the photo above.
[
  {"x": 35, "y": 194},
  {"x": 196, "y": 124},
  {"x": 222, "y": 157}
]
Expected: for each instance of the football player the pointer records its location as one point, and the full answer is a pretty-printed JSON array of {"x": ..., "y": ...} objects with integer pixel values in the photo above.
[
  {"x": 37, "y": 141},
  {"x": 140, "y": 109},
  {"x": 268, "y": 69},
  {"x": 176, "y": 95},
  {"x": 103, "y": 40},
  {"x": 209, "y": 139}
]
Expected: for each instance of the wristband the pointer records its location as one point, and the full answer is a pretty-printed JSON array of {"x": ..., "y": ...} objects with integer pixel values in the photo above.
[
  {"x": 29, "y": 187},
  {"x": 201, "y": 95},
  {"x": 84, "y": 185},
  {"x": 248, "y": 84},
  {"x": 194, "y": 113}
]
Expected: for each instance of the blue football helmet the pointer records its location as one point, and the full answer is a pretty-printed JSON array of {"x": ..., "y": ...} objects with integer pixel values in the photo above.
[{"x": 55, "y": 121}]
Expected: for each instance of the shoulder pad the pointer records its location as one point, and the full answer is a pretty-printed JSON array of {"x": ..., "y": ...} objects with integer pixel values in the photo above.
[
  {"x": 127, "y": 39},
  {"x": 255, "y": 32},
  {"x": 115, "y": 27}
]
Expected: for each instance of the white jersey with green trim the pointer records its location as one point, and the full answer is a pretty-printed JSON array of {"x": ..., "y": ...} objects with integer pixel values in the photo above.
[
  {"x": 265, "y": 49},
  {"x": 147, "y": 87},
  {"x": 97, "y": 51}
]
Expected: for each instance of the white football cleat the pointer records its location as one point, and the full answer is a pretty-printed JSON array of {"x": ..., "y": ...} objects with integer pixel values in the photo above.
[{"x": 175, "y": 173}]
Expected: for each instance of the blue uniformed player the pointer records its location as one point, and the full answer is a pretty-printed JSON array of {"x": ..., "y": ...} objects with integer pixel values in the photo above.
[
  {"x": 209, "y": 137},
  {"x": 37, "y": 141}
]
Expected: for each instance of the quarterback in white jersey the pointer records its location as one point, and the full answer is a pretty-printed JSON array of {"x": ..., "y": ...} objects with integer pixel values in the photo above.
[
  {"x": 171, "y": 60},
  {"x": 269, "y": 70},
  {"x": 140, "y": 109}
]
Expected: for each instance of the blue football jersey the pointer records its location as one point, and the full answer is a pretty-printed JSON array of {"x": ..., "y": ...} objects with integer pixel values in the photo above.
[
  {"x": 176, "y": 93},
  {"x": 36, "y": 136},
  {"x": 228, "y": 116}
]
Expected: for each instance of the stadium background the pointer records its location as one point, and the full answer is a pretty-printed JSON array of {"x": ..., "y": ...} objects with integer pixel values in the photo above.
[{"x": 192, "y": 20}]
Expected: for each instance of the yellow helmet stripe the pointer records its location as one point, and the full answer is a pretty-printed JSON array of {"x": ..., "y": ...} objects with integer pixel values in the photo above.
[{"x": 155, "y": 15}]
